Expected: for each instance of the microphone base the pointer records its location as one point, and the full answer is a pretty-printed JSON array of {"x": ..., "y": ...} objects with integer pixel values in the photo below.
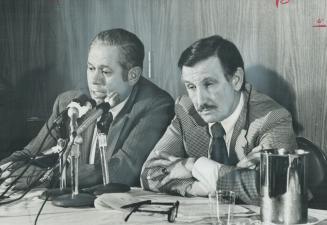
[
  {"x": 110, "y": 188},
  {"x": 53, "y": 193},
  {"x": 80, "y": 200}
]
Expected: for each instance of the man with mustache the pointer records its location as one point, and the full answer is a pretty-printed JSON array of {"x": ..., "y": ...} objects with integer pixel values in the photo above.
[
  {"x": 213, "y": 143},
  {"x": 141, "y": 112}
]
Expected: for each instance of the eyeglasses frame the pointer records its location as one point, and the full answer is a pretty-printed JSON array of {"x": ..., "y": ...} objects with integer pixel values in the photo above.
[{"x": 136, "y": 208}]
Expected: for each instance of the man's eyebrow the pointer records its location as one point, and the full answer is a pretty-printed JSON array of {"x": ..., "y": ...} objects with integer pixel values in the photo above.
[
  {"x": 185, "y": 81},
  {"x": 208, "y": 79},
  {"x": 101, "y": 66}
]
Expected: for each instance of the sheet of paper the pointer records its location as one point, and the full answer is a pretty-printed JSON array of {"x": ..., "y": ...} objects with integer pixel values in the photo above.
[{"x": 189, "y": 207}]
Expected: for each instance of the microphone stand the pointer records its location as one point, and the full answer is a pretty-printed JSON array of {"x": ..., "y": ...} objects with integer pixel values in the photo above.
[
  {"x": 72, "y": 112},
  {"x": 103, "y": 127},
  {"x": 75, "y": 199},
  {"x": 63, "y": 156}
]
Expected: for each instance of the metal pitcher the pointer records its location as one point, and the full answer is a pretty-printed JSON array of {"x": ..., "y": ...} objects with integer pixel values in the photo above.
[{"x": 283, "y": 187}]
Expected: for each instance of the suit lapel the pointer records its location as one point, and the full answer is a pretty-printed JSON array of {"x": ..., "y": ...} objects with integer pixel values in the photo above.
[
  {"x": 114, "y": 133},
  {"x": 118, "y": 124},
  {"x": 239, "y": 126},
  {"x": 198, "y": 138}
]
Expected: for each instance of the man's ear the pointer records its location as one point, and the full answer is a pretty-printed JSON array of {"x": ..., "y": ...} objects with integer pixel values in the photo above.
[
  {"x": 238, "y": 79},
  {"x": 134, "y": 75}
]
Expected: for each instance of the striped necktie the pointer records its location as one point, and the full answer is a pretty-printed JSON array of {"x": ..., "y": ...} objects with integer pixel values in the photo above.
[{"x": 218, "y": 146}]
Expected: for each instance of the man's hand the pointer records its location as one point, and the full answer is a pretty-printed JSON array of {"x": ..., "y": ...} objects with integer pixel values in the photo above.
[
  {"x": 4, "y": 174},
  {"x": 253, "y": 158},
  {"x": 113, "y": 99},
  {"x": 174, "y": 167}
]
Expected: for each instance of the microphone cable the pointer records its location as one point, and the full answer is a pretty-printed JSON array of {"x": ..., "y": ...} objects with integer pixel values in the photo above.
[
  {"x": 24, "y": 193},
  {"x": 28, "y": 164},
  {"x": 33, "y": 184},
  {"x": 49, "y": 130}
]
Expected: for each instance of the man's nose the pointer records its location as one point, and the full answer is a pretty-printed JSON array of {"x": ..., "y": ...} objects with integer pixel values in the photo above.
[
  {"x": 98, "y": 77},
  {"x": 201, "y": 96}
]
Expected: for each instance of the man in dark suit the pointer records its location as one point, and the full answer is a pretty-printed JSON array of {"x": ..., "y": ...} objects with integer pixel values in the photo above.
[
  {"x": 141, "y": 111},
  {"x": 214, "y": 141}
]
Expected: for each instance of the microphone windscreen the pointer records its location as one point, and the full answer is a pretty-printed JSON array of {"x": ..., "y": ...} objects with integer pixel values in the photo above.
[{"x": 83, "y": 99}]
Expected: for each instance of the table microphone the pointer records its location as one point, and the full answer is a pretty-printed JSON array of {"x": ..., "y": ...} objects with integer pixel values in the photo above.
[
  {"x": 92, "y": 116},
  {"x": 103, "y": 126},
  {"x": 83, "y": 103},
  {"x": 77, "y": 199}
]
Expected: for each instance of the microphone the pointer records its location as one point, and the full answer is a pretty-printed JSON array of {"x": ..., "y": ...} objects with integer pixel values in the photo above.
[
  {"x": 49, "y": 158},
  {"x": 45, "y": 160},
  {"x": 104, "y": 122},
  {"x": 93, "y": 116},
  {"x": 78, "y": 103},
  {"x": 73, "y": 114}
]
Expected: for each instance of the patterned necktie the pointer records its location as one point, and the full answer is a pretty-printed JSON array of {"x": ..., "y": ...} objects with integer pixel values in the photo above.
[{"x": 219, "y": 149}]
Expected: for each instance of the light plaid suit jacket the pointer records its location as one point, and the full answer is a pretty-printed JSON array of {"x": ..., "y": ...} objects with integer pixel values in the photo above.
[{"x": 262, "y": 122}]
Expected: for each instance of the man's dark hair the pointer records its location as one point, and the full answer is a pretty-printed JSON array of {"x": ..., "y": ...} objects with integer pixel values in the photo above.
[
  {"x": 131, "y": 47},
  {"x": 227, "y": 53}
]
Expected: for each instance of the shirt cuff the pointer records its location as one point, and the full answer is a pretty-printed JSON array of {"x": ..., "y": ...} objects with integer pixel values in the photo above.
[
  {"x": 197, "y": 189},
  {"x": 206, "y": 171}
]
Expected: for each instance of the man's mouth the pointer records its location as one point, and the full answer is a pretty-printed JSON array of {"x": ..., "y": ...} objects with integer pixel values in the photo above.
[
  {"x": 99, "y": 94},
  {"x": 205, "y": 112}
]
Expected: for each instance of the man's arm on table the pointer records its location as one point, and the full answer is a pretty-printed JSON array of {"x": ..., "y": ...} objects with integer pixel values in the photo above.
[
  {"x": 20, "y": 158},
  {"x": 43, "y": 141},
  {"x": 168, "y": 152},
  {"x": 208, "y": 175},
  {"x": 126, "y": 163},
  {"x": 43, "y": 136}
]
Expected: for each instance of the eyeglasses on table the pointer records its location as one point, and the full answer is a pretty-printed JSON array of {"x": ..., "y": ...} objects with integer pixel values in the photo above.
[{"x": 171, "y": 211}]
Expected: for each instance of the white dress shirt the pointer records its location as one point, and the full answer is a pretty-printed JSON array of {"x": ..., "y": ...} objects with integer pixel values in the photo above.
[
  {"x": 206, "y": 170},
  {"x": 114, "y": 111}
]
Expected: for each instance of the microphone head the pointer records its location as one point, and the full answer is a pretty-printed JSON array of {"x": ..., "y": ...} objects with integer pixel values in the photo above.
[
  {"x": 104, "y": 122},
  {"x": 73, "y": 112},
  {"x": 84, "y": 99},
  {"x": 105, "y": 106}
]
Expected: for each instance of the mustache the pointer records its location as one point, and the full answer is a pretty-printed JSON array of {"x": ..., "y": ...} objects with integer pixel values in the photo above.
[{"x": 206, "y": 107}]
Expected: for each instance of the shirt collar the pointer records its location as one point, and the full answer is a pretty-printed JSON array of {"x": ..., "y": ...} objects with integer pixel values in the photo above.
[{"x": 229, "y": 123}]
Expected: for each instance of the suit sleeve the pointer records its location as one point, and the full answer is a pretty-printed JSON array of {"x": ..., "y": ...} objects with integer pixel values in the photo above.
[
  {"x": 125, "y": 165},
  {"x": 172, "y": 144}
]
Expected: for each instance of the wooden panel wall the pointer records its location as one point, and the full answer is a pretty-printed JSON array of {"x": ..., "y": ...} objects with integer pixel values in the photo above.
[{"x": 285, "y": 56}]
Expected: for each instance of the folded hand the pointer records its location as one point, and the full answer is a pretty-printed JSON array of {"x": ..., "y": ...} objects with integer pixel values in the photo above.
[{"x": 174, "y": 167}]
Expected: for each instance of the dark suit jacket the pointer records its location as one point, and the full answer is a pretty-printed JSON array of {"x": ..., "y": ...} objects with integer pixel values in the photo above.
[
  {"x": 262, "y": 122},
  {"x": 132, "y": 135}
]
